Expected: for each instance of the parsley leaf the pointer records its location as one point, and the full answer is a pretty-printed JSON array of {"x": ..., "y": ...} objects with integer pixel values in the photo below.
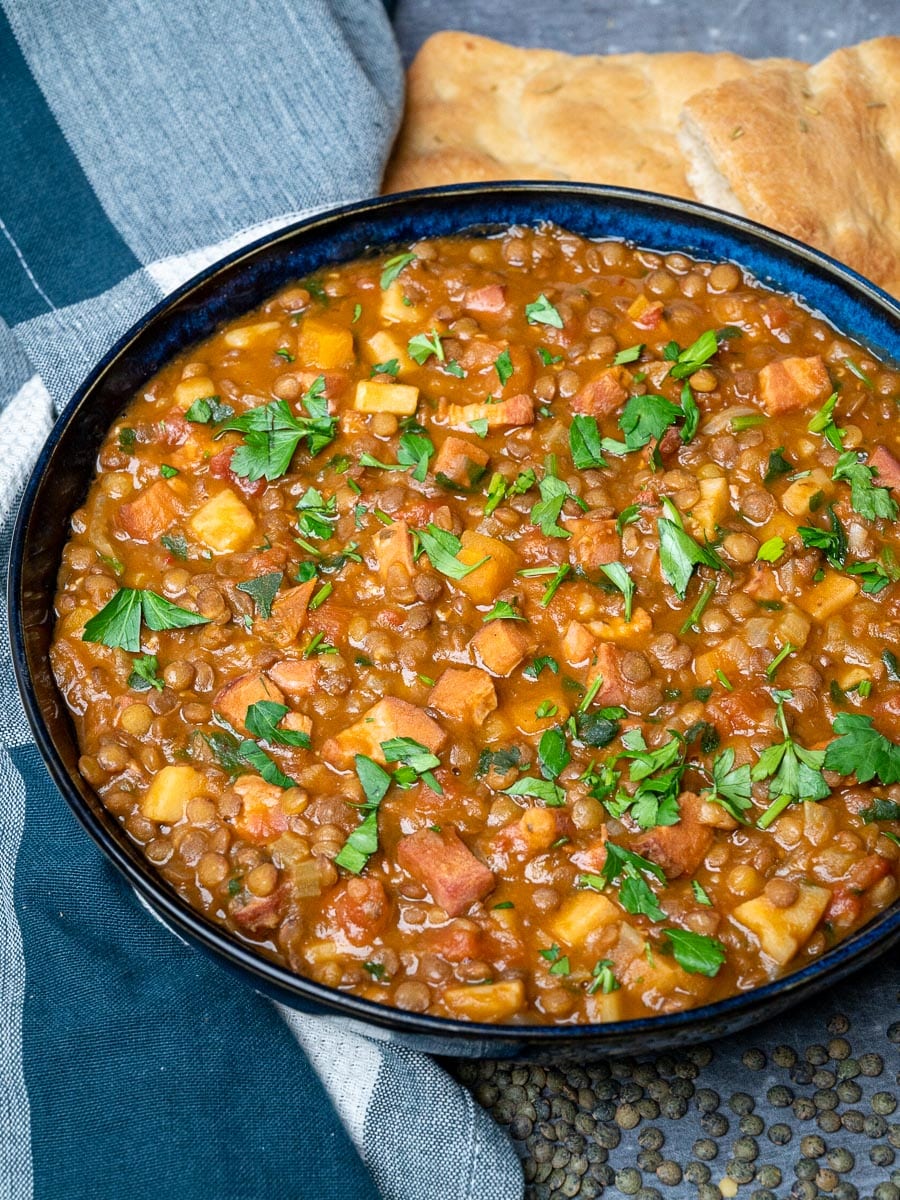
[
  {"x": 541, "y": 789},
  {"x": 503, "y": 366},
  {"x": 634, "y": 892},
  {"x": 503, "y": 611},
  {"x": 881, "y": 810},
  {"x": 391, "y": 367},
  {"x": 547, "y": 358},
  {"x": 393, "y": 267},
  {"x": 700, "y": 893},
  {"x": 254, "y": 756},
  {"x": 118, "y": 623},
  {"x": 794, "y": 773},
  {"x": 603, "y": 980},
  {"x": 421, "y": 347},
  {"x": 262, "y": 720},
  {"x": 691, "y": 413},
  {"x": 144, "y": 675},
  {"x": 546, "y": 512},
  {"x": 442, "y": 548},
  {"x": 629, "y": 355},
  {"x": 679, "y": 553},
  {"x": 363, "y": 841},
  {"x": 272, "y": 434},
  {"x": 542, "y": 312},
  {"x": 697, "y": 354},
  {"x": 584, "y": 443},
  {"x": 316, "y": 514},
  {"x": 862, "y": 751},
  {"x": 833, "y": 542},
  {"x": 697, "y": 953},
  {"x": 778, "y": 466},
  {"x": 553, "y": 753},
  {"x": 544, "y": 662},
  {"x": 731, "y": 788},
  {"x": 263, "y": 590},
  {"x": 415, "y": 450},
  {"x": 646, "y": 418},
  {"x": 208, "y": 411},
  {"x": 823, "y": 422},
  {"x": 873, "y": 575},
  {"x": 770, "y": 551},
  {"x": 617, "y": 574},
  {"x": 867, "y": 498},
  {"x": 175, "y": 544}
]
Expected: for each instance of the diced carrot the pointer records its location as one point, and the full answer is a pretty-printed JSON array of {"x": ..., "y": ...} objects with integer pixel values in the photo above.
[
  {"x": 389, "y": 718},
  {"x": 322, "y": 343},
  {"x": 288, "y": 614},
  {"x": 491, "y": 576},
  {"x": 794, "y": 383},
  {"x": 604, "y": 395},
  {"x": 488, "y": 299},
  {"x": 445, "y": 865},
  {"x": 517, "y": 410},
  {"x": 151, "y": 512},
  {"x": 461, "y": 461},
  {"x": 500, "y": 646},
  {"x": 646, "y": 314},
  {"x": 233, "y": 700},
  {"x": 465, "y": 695}
]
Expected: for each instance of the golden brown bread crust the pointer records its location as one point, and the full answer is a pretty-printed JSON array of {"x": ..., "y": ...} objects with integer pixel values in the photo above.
[
  {"x": 814, "y": 152},
  {"x": 479, "y": 109}
]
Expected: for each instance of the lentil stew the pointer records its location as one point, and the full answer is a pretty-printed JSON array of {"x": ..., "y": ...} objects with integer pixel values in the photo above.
[{"x": 505, "y": 629}]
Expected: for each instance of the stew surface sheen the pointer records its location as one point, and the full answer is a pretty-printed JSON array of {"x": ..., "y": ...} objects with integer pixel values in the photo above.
[{"x": 506, "y": 629}]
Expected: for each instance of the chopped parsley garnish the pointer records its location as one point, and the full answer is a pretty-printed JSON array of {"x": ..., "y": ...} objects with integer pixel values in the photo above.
[
  {"x": 778, "y": 465},
  {"x": 691, "y": 413},
  {"x": 321, "y": 595},
  {"x": 442, "y": 548},
  {"x": 127, "y": 439},
  {"x": 629, "y": 355},
  {"x": 627, "y": 517},
  {"x": 263, "y": 590},
  {"x": 542, "y": 312},
  {"x": 503, "y": 366},
  {"x": 118, "y": 623},
  {"x": 546, "y": 709},
  {"x": 553, "y": 753},
  {"x": 603, "y": 979},
  {"x": 285, "y": 354},
  {"x": 144, "y": 675},
  {"x": 731, "y": 786},
  {"x": 546, "y": 512},
  {"x": 628, "y": 869},
  {"x": 891, "y": 664},
  {"x": 771, "y": 550},
  {"x": 504, "y": 611},
  {"x": 547, "y": 358},
  {"x": 507, "y": 758},
  {"x": 657, "y": 773},
  {"x": 363, "y": 841},
  {"x": 208, "y": 411},
  {"x": 263, "y": 719},
  {"x": 254, "y": 756},
  {"x": 540, "y": 789},
  {"x": 679, "y": 553},
  {"x": 375, "y": 969},
  {"x": 881, "y": 810},
  {"x": 697, "y": 953},
  {"x": 823, "y": 422},
  {"x": 543, "y": 663},
  {"x": 794, "y": 773},
  {"x": 480, "y": 426},
  {"x": 317, "y": 515},
  {"x": 421, "y": 347},
  {"x": 272, "y": 434},
  {"x": 693, "y": 619},
  {"x": 453, "y": 368},
  {"x": 391, "y": 367},
  {"x": 618, "y": 576},
  {"x": 417, "y": 762},
  {"x": 786, "y": 649},
  {"x": 585, "y": 443},
  {"x": 558, "y": 576},
  {"x": 686, "y": 362},
  {"x": 859, "y": 373},
  {"x": 862, "y": 751},
  {"x": 176, "y": 544},
  {"x": 499, "y": 489},
  {"x": 168, "y": 472},
  {"x": 393, "y": 267},
  {"x": 868, "y": 499},
  {"x": 645, "y": 419},
  {"x": 700, "y": 893}
]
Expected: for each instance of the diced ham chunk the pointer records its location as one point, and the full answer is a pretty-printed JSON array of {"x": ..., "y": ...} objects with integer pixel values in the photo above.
[
  {"x": 678, "y": 849},
  {"x": 151, "y": 512},
  {"x": 517, "y": 410},
  {"x": 261, "y": 819},
  {"x": 604, "y": 395},
  {"x": 646, "y": 314},
  {"x": 500, "y": 646},
  {"x": 465, "y": 695},
  {"x": 461, "y": 461},
  {"x": 393, "y": 549},
  {"x": 488, "y": 299},
  {"x": 444, "y": 864},
  {"x": 594, "y": 542},
  {"x": 887, "y": 466},
  {"x": 387, "y": 719},
  {"x": 288, "y": 614},
  {"x": 794, "y": 383},
  {"x": 257, "y": 915},
  {"x": 456, "y": 941},
  {"x": 295, "y": 676},
  {"x": 614, "y": 689},
  {"x": 361, "y": 909},
  {"x": 233, "y": 700}
]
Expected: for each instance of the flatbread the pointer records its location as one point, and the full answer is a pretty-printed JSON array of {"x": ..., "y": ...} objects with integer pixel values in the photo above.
[
  {"x": 481, "y": 110},
  {"x": 814, "y": 152}
]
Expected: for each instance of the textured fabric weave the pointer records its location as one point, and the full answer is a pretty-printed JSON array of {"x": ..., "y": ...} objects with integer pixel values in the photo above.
[{"x": 139, "y": 141}]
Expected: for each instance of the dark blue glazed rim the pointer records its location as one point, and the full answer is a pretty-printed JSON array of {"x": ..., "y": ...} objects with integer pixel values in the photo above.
[{"x": 227, "y": 290}]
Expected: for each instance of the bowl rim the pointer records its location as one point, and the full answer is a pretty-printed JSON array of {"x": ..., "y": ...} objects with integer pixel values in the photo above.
[{"x": 875, "y": 936}]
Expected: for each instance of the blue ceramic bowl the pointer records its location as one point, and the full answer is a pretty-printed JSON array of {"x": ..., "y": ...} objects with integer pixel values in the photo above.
[{"x": 228, "y": 290}]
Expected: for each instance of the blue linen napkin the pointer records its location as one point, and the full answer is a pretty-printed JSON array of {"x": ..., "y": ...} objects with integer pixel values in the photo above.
[{"x": 140, "y": 140}]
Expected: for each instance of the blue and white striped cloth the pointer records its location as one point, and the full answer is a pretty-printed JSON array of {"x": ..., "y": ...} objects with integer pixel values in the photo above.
[{"x": 140, "y": 140}]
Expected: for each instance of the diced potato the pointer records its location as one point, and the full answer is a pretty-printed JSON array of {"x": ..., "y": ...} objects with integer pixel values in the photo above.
[
  {"x": 848, "y": 677},
  {"x": 483, "y": 584},
  {"x": 782, "y": 931},
  {"x": 486, "y": 1001},
  {"x": 602, "y": 1008},
  {"x": 500, "y": 646},
  {"x": 794, "y": 383},
  {"x": 577, "y": 644},
  {"x": 151, "y": 512},
  {"x": 582, "y": 915},
  {"x": 399, "y": 398},
  {"x": 169, "y": 792},
  {"x": 382, "y": 346},
  {"x": 387, "y": 719},
  {"x": 465, "y": 695},
  {"x": 618, "y": 630},
  {"x": 261, "y": 819},
  {"x": 246, "y": 336},
  {"x": 517, "y": 410},
  {"x": 779, "y": 525},
  {"x": 319, "y": 953},
  {"x": 393, "y": 309},
  {"x": 224, "y": 523},
  {"x": 711, "y": 509},
  {"x": 75, "y": 621},
  {"x": 198, "y": 387},
  {"x": 793, "y": 626},
  {"x": 798, "y": 496},
  {"x": 830, "y": 596},
  {"x": 324, "y": 345},
  {"x": 656, "y": 978}
]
